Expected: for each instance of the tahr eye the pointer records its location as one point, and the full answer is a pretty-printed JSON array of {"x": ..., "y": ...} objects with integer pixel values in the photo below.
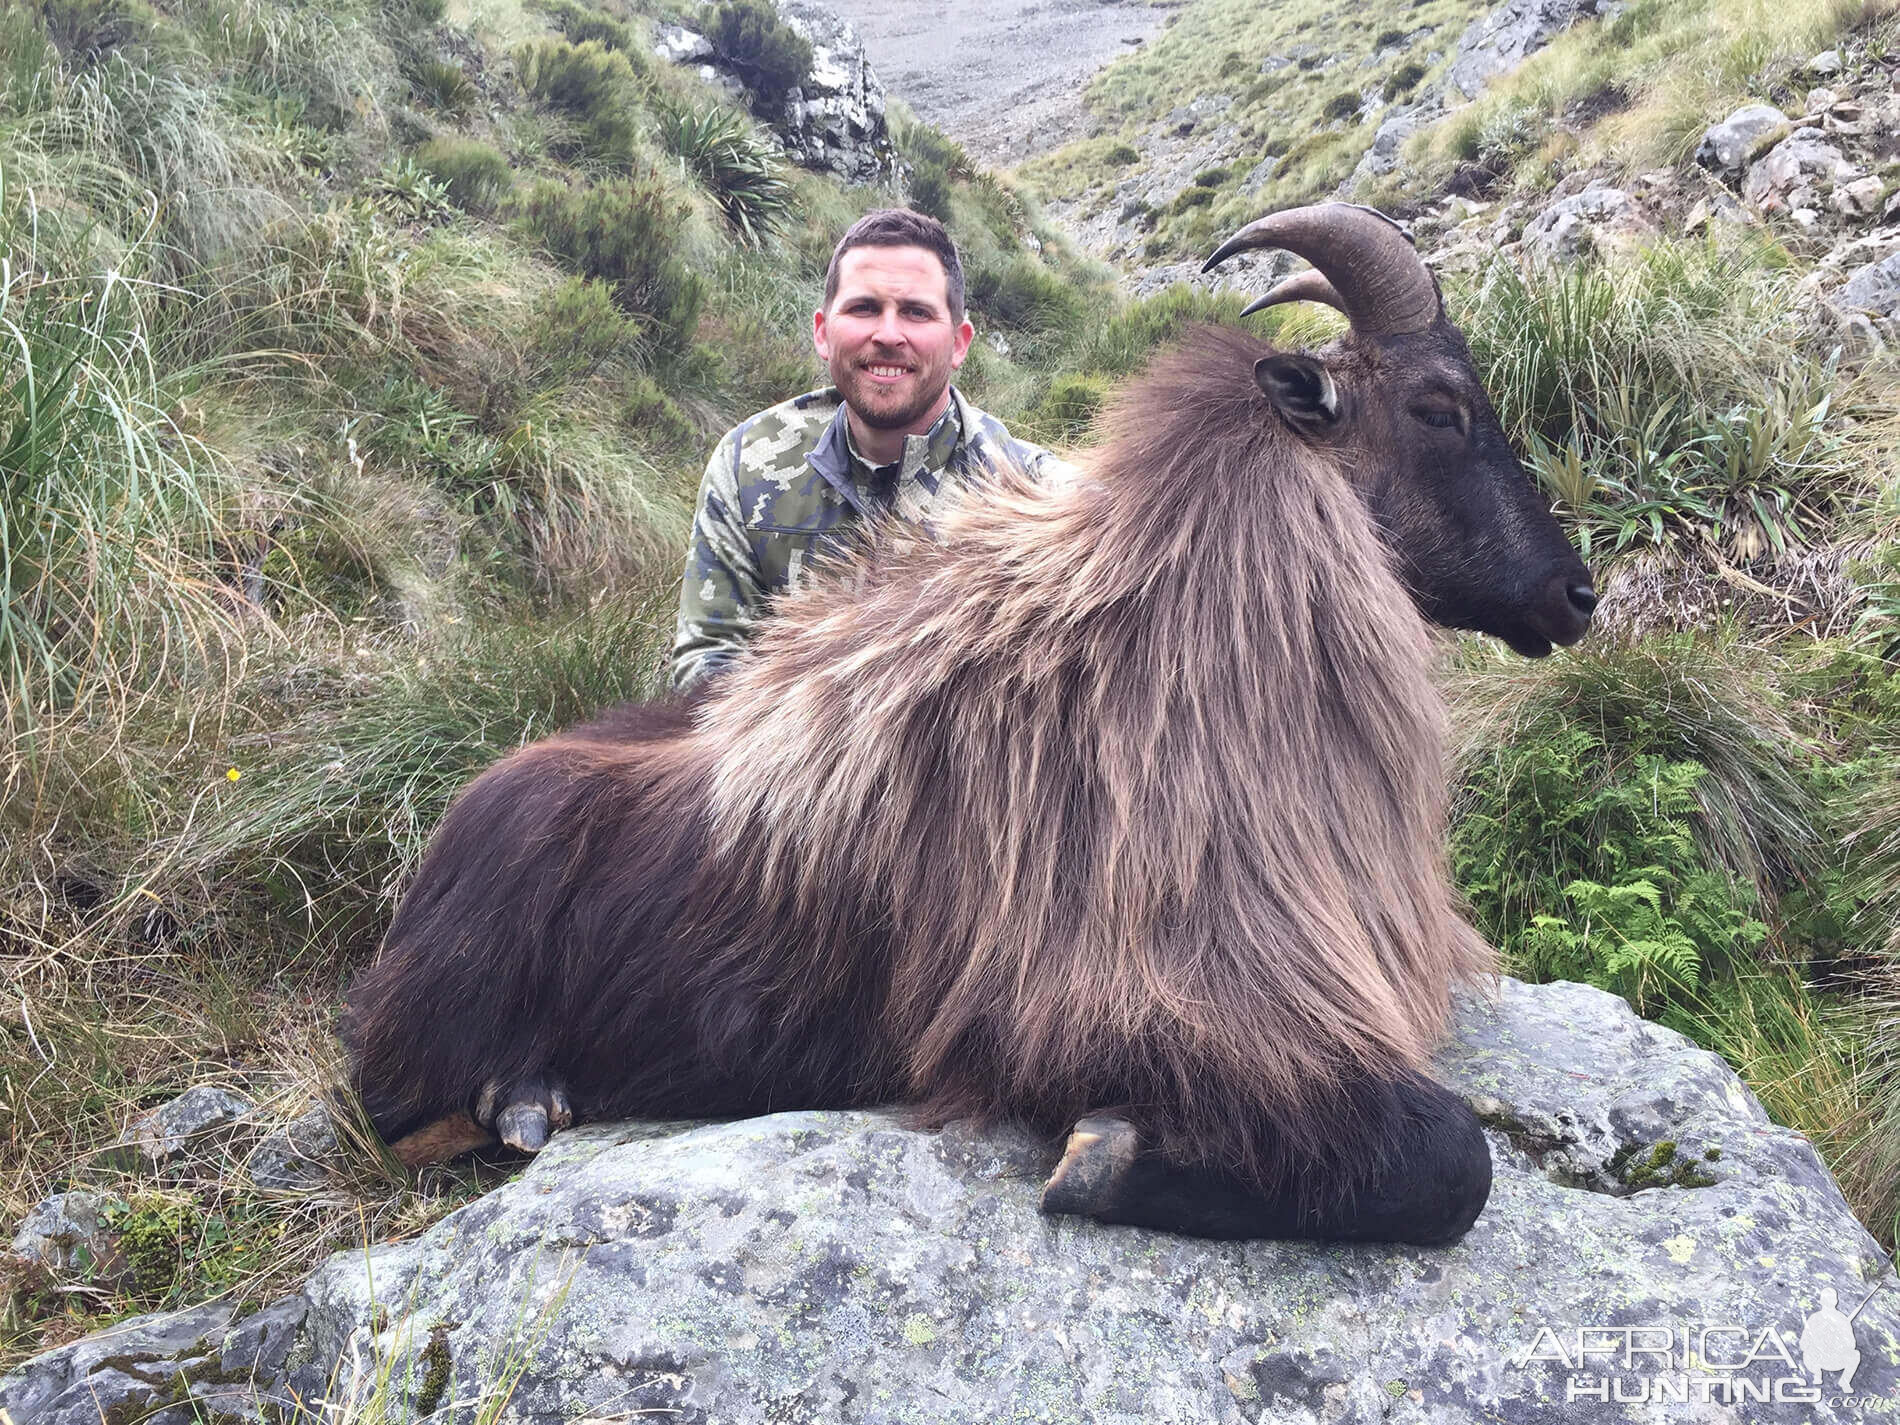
[{"x": 1442, "y": 420}]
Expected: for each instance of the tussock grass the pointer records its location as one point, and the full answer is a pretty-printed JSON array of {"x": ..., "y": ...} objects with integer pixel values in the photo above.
[
  {"x": 1677, "y": 400},
  {"x": 111, "y": 515}
]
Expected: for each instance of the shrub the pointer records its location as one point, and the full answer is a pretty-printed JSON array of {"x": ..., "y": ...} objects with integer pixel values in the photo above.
[
  {"x": 622, "y": 233},
  {"x": 1661, "y": 394},
  {"x": 1121, "y": 155},
  {"x": 475, "y": 174},
  {"x": 580, "y": 24},
  {"x": 1388, "y": 38},
  {"x": 595, "y": 86},
  {"x": 738, "y": 166},
  {"x": 412, "y": 192},
  {"x": 750, "y": 36},
  {"x": 577, "y": 327},
  {"x": 1663, "y": 780},
  {"x": 655, "y": 419},
  {"x": 1191, "y": 198},
  {"x": 1210, "y": 178},
  {"x": 1341, "y": 106},
  {"x": 1402, "y": 80}
]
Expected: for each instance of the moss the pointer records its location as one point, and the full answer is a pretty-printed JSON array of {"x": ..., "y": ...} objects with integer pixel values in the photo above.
[
  {"x": 1659, "y": 1167},
  {"x": 437, "y": 1365},
  {"x": 151, "y": 1235}
]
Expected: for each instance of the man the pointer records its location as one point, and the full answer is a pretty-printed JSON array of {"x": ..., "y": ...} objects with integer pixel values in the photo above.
[{"x": 890, "y": 434}]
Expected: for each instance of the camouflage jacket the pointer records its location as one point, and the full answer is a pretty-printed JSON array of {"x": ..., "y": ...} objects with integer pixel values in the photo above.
[{"x": 784, "y": 485}]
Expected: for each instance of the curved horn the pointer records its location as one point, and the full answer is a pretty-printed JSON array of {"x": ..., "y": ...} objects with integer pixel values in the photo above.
[
  {"x": 1308, "y": 286},
  {"x": 1372, "y": 266}
]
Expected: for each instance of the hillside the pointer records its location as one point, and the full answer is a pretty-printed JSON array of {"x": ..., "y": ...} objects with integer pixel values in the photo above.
[{"x": 362, "y": 362}]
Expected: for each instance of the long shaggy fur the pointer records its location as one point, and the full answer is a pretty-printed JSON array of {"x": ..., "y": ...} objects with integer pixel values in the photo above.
[{"x": 1127, "y": 793}]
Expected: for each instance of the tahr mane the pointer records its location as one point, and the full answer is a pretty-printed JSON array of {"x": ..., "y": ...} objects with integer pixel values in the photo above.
[{"x": 1142, "y": 771}]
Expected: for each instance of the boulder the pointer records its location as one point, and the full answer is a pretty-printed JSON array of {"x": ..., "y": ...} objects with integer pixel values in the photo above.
[
  {"x": 835, "y": 121},
  {"x": 1791, "y": 174},
  {"x": 1727, "y": 147},
  {"x": 165, "y": 1132},
  {"x": 678, "y": 45},
  {"x": 1578, "y": 225},
  {"x": 1652, "y": 1239},
  {"x": 64, "y": 1232},
  {"x": 1500, "y": 41},
  {"x": 1824, "y": 64}
]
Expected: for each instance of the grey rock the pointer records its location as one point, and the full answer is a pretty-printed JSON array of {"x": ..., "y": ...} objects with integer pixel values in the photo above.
[
  {"x": 1726, "y": 147},
  {"x": 1573, "y": 227},
  {"x": 1858, "y": 199},
  {"x": 259, "y": 1346},
  {"x": 678, "y": 45},
  {"x": 1790, "y": 169},
  {"x": 1827, "y": 62},
  {"x": 1399, "y": 124},
  {"x": 64, "y": 1232},
  {"x": 163, "y": 1134},
  {"x": 835, "y": 122},
  {"x": 842, "y": 1267},
  {"x": 126, "y": 1371},
  {"x": 1517, "y": 29},
  {"x": 1873, "y": 289},
  {"x": 292, "y": 1159}
]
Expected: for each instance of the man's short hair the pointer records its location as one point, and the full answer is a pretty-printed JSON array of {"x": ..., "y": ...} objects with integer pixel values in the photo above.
[{"x": 901, "y": 227}]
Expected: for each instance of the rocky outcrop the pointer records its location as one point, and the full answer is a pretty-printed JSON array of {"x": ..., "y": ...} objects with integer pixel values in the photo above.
[
  {"x": 834, "y": 122},
  {"x": 1498, "y": 42},
  {"x": 842, "y": 1267}
]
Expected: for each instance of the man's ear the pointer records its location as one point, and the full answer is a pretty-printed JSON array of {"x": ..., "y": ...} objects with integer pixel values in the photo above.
[
  {"x": 1300, "y": 388},
  {"x": 818, "y": 338}
]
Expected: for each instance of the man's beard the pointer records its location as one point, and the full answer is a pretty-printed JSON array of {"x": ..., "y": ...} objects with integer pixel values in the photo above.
[{"x": 871, "y": 403}]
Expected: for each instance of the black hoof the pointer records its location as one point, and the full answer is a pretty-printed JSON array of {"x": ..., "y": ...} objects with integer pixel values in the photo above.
[
  {"x": 525, "y": 1113},
  {"x": 1094, "y": 1167}
]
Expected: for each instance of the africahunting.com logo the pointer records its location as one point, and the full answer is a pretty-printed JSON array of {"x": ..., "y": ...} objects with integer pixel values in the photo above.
[{"x": 1708, "y": 1362}]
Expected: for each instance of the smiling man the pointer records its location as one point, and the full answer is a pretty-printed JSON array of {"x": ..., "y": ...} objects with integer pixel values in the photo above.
[{"x": 889, "y": 434}]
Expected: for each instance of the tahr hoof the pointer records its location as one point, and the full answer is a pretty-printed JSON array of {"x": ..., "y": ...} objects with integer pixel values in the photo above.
[
  {"x": 1088, "y": 1181},
  {"x": 523, "y": 1127},
  {"x": 525, "y": 1113}
]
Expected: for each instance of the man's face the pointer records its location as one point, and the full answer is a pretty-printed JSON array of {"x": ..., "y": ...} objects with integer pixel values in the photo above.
[{"x": 888, "y": 339}]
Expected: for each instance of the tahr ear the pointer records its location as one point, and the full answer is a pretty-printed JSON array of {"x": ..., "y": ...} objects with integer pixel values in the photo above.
[{"x": 1300, "y": 388}]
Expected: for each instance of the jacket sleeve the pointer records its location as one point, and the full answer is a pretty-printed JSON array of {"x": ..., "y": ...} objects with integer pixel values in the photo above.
[{"x": 721, "y": 593}]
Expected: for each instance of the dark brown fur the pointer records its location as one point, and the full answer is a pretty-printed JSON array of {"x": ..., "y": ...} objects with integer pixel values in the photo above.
[{"x": 1127, "y": 793}]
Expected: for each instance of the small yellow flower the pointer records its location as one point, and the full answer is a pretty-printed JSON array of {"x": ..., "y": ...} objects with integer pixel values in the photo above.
[{"x": 231, "y": 774}]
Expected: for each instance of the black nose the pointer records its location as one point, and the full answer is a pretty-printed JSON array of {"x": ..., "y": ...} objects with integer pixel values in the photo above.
[{"x": 1583, "y": 599}]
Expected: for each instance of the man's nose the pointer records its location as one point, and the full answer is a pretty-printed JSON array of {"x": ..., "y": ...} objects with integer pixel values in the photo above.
[{"x": 890, "y": 331}]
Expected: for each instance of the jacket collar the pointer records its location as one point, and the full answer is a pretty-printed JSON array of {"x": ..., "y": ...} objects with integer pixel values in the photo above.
[{"x": 831, "y": 456}]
